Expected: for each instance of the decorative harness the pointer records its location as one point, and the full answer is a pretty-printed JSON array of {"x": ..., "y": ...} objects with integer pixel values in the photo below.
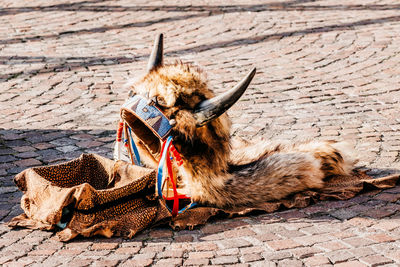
[{"x": 149, "y": 116}]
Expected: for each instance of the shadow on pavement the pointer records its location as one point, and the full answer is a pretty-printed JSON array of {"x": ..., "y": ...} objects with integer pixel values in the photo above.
[
  {"x": 65, "y": 64},
  {"x": 87, "y": 6}
]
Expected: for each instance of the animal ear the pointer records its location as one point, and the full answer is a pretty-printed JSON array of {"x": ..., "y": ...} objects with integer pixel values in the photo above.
[
  {"x": 210, "y": 109},
  {"x": 156, "y": 56}
]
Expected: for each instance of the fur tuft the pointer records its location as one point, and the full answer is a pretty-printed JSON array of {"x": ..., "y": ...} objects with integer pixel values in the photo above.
[{"x": 346, "y": 150}]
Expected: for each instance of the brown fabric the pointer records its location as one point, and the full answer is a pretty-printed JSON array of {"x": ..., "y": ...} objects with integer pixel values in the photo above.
[
  {"x": 106, "y": 197},
  {"x": 116, "y": 198},
  {"x": 336, "y": 188}
]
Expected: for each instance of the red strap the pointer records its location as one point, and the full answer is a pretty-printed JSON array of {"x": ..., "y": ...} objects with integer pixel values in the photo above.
[
  {"x": 176, "y": 154},
  {"x": 176, "y": 197},
  {"x": 163, "y": 147},
  {"x": 119, "y": 131},
  {"x": 175, "y": 207}
]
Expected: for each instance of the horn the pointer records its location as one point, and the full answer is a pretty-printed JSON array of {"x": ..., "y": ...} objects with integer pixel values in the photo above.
[
  {"x": 156, "y": 56},
  {"x": 210, "y": 109}
]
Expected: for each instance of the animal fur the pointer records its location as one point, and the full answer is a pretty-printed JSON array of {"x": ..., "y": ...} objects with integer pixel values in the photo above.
[{"x": 223, "y": 171}]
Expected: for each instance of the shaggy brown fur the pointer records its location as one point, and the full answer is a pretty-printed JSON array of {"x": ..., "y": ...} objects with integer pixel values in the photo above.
[{"x": 224, "y": 171}]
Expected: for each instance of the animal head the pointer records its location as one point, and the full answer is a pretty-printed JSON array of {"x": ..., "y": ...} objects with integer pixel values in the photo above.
[{"x": 180, "y": 91}]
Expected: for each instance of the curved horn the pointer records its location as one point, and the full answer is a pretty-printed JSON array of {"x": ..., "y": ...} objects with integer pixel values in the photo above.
[
  {"x": 156, "y": 56},
  {"x": 210, "y": 109}
]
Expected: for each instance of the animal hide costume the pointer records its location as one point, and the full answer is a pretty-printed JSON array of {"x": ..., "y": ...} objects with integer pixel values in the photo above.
[
  {"x": 219, "y": 170},
  {"x": 93, "y": 195}
]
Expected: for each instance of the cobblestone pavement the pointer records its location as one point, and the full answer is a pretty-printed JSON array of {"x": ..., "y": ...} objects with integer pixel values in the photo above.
[{"x": 326, "y": 70}]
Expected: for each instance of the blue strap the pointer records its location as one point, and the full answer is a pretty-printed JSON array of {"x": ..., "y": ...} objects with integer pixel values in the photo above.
[
  {"x": 135, "y": 150},
  {"x": 191, "y": 205}
]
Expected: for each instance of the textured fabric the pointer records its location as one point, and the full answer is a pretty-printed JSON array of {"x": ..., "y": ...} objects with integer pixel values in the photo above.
[
  {"x": 335, "y": 188},
  {"x": 103, "y": 197},
  {"x": 94, "y": 195}
]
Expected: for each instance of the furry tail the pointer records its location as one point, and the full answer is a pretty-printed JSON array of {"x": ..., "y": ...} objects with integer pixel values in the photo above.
[
  {"x": 285, "y": 170},
  {"x": 336, "y": 158}
]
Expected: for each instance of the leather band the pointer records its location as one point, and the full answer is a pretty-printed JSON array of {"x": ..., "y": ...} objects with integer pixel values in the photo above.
[{"x": 150, "y": 115}]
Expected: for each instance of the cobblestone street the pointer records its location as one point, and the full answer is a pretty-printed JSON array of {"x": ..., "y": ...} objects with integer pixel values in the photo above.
[{"x": 325, "y": 70}]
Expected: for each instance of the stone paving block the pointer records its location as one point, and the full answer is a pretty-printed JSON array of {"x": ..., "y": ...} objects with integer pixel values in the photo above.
[
  {"x": 251, "y": 257},
  {"x": 196, "y": 262},
  {"x": 105, "y": 263},
  {"x": 11, "y": 257},
  {"x": 78, "y": 244},
  {"x": 227, "y": 252},
  {"x": 276, "y": 255},
  {"x": 379, "y": 214},
  {"x": 358, "y": 242},
  {"x": 66, "y": 149},
  {"x": 282, "y": 244},
  {"x": 169, "y": 262},
  {"x": 141, "y": 256},
  {"x": 263, "y": 263},
  {"x": 254, "y": 249},
  {"x": 289, "y": 262},
  {"x": 104, "y": 246},
  {"x": 360, "y": 221},
  {"x": 172, "y": 253},
  {"x": 7, "y": 158},
  {"x": 344, "y": 234},
  {"x": 238, "y": 233},
  {"x": 50, "y": 244},
  {"x": 339, "y": 256},
  {"x": 316, "y": 230},
  {"x": 291, "y": 234},
  {"x": 69, "y": 252},
  {"x": 241, "y": 265},
  {"x": 127, "y": 250},
  {"x": 225, "y": 260},
  {"x": 18, "y": 247},
  {"x": 137, "y": 262},
  {"x": 316, "y": 261},
  {"x": 205, "y": 246},
  {"x": 266, "y": 237},
  {"x": 344, "y": 214},
  {"x": 375, "y": 260},
  {"x": 212, "y": 229},
  {"x": 388, "y": 197},
  {"x": 118, "y": 257},
  {"x": 381, "y": 238},
  {"x": 394, "y": 255},
  {"x": 184, "y": 238},
  {"x": 42, "y": 252},
  {"x": 42, "y": 146},
  {"x": 93, "y": 254},
  {"x": 351, "y": 264},
  {"x": 332, "y": 245},
  {"x": 28, "y": 162},
  {"x": 387, "y": 225},
  {"x": 201, "y": 255},
  {"x": 80, "y": 263},
  {"x": 234, "y": 243},
  {"x": 28, "y": 260},
  {"x": 154, "y": 247},
  {"x": 304, "y": 252},
  {"x": 362, "y": 252}
]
